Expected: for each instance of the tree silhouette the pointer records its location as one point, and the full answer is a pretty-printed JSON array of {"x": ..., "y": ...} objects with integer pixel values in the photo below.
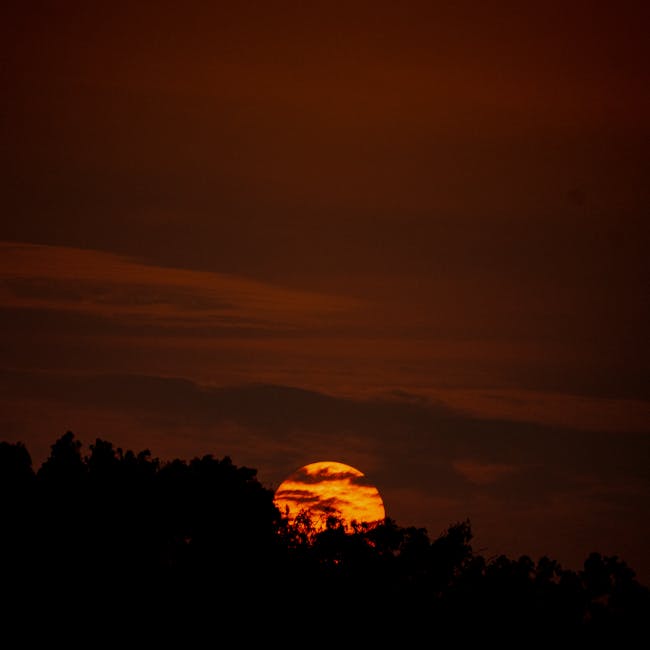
[
  {"x": 15, "y": 464},
  {"x": 65, "y": 464},
  {"x": 150, "y": 542}
]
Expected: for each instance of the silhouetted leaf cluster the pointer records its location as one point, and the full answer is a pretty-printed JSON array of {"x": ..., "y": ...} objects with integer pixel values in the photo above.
[{"x": 125, "y": 533}]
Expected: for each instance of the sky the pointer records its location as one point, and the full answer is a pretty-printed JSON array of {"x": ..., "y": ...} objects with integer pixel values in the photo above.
[{"x": 408, "y": 237}]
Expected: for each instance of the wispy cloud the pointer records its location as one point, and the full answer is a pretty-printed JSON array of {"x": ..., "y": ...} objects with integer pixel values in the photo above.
[
  {"x": 104, "y": 284},
  {"x": 66, "y": 308},
  {"x": 482, "y": 473}
]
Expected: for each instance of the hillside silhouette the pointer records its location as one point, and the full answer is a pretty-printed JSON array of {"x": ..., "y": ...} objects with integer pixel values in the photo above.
[{"x": 119, "y": 536}]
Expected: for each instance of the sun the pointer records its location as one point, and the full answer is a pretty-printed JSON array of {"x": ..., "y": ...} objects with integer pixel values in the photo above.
[{"x": 329, "y": 488}]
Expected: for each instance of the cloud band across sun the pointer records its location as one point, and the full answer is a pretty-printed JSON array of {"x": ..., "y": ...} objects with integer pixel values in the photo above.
[{"x": 328, "y": 488}]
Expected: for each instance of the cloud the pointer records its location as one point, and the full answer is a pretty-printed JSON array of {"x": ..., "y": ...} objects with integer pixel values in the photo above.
[
  {"x": 437, "y": 444},
  {"x": 103, "y": 284},
  {"x": 481, "y": 473},
  {"x": 552, "y": 408}
]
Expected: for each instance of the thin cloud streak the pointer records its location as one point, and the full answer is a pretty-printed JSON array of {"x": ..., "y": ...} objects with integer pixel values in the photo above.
[
  {"x": 481, "y": 473},
  {"x": 93, "y": 282}
]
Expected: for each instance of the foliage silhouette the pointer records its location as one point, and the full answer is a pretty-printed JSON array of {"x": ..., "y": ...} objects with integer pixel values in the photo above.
[{"x": 125, "y": 534}]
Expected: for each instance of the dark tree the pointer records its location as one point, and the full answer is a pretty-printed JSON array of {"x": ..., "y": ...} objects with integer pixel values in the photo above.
[{"x": 129, "y": 538}]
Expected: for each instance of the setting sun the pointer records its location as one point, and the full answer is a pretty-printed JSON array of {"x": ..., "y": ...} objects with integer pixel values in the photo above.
[{"x": 330, "y": 488}]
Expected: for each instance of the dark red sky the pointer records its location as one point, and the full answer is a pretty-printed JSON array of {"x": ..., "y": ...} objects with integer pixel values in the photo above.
[{"x": 410, "y": 237}]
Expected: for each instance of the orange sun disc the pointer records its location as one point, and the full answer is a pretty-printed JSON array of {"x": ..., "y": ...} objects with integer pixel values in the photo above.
[{"x": 329, "y": 488}]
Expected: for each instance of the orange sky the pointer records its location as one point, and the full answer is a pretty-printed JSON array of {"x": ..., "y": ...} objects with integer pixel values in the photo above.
[{"x": 412, "y": 238}]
